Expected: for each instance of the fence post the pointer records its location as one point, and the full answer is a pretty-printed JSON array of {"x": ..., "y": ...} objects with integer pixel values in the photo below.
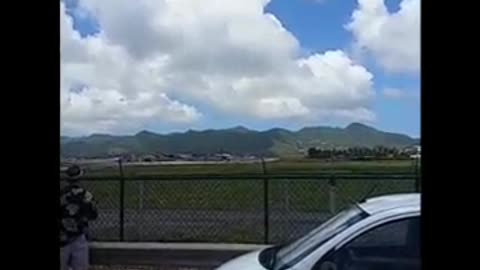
[
  {"x": 266, "y": 210},
  {"x": 286, "y": 194},
  {"x": 332, "y": 184},
  {"x": 122, "y": 199},
  {"x": 140, "y": 213},
  {"x": 417, "y": 176}
]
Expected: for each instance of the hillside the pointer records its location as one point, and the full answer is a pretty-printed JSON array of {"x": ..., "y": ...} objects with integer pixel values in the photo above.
[{"x": 240, "y": 140}]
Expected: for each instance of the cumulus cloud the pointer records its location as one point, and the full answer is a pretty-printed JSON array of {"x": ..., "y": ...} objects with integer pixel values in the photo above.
[
  {"x": 393, "y": 38},
  {"x": 104, "y": 89},
  {"x": 156, "y": 60}
]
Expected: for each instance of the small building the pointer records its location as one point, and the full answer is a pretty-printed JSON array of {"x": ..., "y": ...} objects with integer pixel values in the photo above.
[
  {"x": 149, "y": 158},
  {"x": 412, "y": 150},
  {"x": 185, "y": 157},
  {"x": 224, "y": 156}
]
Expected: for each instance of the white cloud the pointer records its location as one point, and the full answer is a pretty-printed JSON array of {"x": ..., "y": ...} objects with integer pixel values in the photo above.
[
  {"x": 400, "y": 94},
  {"x": 392, "y": 38},
  {"x": 151, "y": 56},
  {"x": 117, "y": 95}
]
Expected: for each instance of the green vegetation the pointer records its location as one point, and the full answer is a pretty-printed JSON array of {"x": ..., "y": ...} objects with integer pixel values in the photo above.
[{"x": 361, "y": 153}]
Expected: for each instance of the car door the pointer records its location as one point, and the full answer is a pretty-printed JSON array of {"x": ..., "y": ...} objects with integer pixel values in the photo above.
[{"x": 394, "y": 245}]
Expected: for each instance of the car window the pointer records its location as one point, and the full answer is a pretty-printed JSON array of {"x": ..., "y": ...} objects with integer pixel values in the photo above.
[
  {"x": 394, "y": 245},
  {"x": 393, "y": 234},
  {"x": 296, "y": 251}
]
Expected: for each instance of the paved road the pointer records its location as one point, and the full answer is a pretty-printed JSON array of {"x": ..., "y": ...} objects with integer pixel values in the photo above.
[{"x": 201, "y": 225}]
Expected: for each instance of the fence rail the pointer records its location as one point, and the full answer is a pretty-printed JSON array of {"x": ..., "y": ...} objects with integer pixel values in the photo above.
[{"x": 248, "y": 208}]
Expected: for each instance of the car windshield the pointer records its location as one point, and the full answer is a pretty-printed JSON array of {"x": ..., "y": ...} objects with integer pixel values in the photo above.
[{"x": 296, "y": 251}]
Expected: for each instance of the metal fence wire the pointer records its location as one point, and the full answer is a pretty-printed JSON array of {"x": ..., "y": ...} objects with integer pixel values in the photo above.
[{"x": 238, "y": 209}]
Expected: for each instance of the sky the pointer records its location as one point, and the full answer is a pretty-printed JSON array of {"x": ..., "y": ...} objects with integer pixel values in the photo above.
[{"x": 174, "y": 65}]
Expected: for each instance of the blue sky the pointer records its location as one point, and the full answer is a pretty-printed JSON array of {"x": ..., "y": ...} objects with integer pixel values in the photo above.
[
  {"x": 307, "y": 18},
  {"x": 318, "y": 26}
]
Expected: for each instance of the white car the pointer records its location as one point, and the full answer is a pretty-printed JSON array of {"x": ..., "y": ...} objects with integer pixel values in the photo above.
[{"x": 379, "y": 233}]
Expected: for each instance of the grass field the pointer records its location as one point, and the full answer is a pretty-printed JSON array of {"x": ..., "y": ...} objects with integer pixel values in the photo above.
[
  {"x": 292, "y": 166},
  {"x": 204, "y": 194},
  {"x": 306, "y": 193},
  {"x": 211, "y": 206},
  {"x": 295, "y": 188}
]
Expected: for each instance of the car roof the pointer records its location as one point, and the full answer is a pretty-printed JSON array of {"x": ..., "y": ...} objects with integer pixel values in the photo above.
[{"x": 389, "y": 202}]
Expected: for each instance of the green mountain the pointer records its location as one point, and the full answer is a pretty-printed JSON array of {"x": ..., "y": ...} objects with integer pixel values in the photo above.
[{"x": 240, "y": 140}]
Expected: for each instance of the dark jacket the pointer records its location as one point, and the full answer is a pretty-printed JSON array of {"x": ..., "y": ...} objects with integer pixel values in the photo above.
[{"x": 77, "y": 208}]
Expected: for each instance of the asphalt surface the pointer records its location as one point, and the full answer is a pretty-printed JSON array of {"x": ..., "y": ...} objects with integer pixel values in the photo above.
[{"x": 186, "y": 162}]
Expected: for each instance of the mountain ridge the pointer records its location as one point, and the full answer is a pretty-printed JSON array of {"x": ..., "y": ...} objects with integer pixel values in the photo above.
[{"x": 238, "y": 139}]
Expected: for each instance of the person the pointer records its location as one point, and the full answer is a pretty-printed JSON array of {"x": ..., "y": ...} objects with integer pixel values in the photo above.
[{"x": 77, "y": 208}]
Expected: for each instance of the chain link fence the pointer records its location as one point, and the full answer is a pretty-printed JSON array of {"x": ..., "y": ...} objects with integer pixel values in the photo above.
[{"x": 237, "y": 209}]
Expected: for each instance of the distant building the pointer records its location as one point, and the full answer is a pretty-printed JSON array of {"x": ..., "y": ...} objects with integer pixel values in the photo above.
[
  {"x": 164, "y": 157},
  {"x": 185, "y": 157},
  {"x": 414, "y": 151},
  {"x": 224, "y": 156},
  {"x": 149, "y": 158},
  {"x": 416, "y": 156}
]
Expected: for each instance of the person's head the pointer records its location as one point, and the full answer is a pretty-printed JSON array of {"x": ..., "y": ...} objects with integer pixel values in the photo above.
[{"x": 73, "y": 173}]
